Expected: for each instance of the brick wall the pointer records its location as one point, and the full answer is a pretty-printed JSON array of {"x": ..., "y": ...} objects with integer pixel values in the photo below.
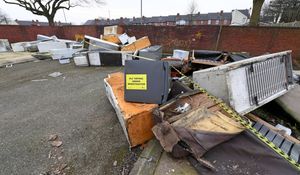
[{"x": 255, "y": 40}]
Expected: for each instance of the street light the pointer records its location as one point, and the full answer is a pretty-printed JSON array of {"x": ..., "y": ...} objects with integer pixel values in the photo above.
[{"x": 141, "y": 11}]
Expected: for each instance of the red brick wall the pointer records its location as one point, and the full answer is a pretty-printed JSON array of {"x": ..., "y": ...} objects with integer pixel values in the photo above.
[{"x": 255, "y": 40}]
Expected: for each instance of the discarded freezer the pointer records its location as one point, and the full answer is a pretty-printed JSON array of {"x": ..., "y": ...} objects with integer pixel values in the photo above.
[
  {"x": 4, "y": 45},
  {"x": 98, "y": 44},
  {"x": 108, "y": 58},
  {"x": 250, "y": 83},
  {"x": 147, "y": 81},
  {"x": 153, "y": 52}
]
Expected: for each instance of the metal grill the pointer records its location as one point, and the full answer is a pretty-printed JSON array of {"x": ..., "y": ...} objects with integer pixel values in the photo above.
[{"x": 268, "y": 78}]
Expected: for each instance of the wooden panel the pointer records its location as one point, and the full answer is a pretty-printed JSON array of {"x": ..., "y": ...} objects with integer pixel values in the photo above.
[
  {"x": 135, "y": 118},
  {"x": 111, "y": 38},
  {"x": 137, "y": 45}
]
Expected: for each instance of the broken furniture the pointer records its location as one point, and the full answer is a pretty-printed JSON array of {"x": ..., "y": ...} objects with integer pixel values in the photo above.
[
  {"x": 152, "y": 52},
  {"x": 146, "y": 81},
  {"x": 199, "y": 128},
  {"x": 135, "y": 118},
  {"x": 248, "y": 84}
]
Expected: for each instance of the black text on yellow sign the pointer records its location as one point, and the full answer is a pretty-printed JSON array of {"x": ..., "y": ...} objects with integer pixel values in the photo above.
[{"x": 136, "y": 81}]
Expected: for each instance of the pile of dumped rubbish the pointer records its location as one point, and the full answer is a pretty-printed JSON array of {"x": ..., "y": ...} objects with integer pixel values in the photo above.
[{"x": 197, "y": 103}]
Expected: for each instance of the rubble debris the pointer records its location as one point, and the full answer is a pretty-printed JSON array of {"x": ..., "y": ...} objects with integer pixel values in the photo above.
[
  {"x": 152, "y": 52},
  {"x": 139, "y": 44},
  {"x": 183, "y": 108},
  {"x": 286, "y": 130},
  {"x": 40, "y": 37},
  {"x": 39, "y": 80},
  {"x": 55, "y": 74},
  {"x": 92, "y": 44},
  {"x": 240, "y": 81},
  {"x": 135, "y": 118},
  {"x": 180, "y": 54},
  {"x": 142, "y": 84},
  {"x": 4, "y": 45},
  {"x": 115, "y": 163},
  {"x": 201, "y": 128},
  {"x": 64, "y": 61},
  {"x": 42, "y": 56},
  {"x": 52, "y": 137},
  {"x": 56, "y": 143}
]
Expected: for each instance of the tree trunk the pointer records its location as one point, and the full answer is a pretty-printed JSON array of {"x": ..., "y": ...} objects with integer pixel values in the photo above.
[
  {"x": 257, "y": 5},
  {"x": 50, "y": 20}
]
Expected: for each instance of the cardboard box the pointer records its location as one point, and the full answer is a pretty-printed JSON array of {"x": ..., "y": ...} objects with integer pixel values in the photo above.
[
  {"x": 135, "y": 118},
  {"x": 137, "y": 45}
]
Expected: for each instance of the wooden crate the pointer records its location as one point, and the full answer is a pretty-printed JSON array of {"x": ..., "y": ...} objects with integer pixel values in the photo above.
[{"x": 135, "y": 118}]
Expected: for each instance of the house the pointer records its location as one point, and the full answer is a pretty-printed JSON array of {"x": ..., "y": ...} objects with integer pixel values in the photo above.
[
  {"x": 236, "y": 17},
  {"x": 240, "y": 17},
  {"x": 38, "y": 23}
]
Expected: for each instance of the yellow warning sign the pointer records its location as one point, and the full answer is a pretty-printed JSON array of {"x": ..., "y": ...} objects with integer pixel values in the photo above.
[{"x": 136, "y": 81}]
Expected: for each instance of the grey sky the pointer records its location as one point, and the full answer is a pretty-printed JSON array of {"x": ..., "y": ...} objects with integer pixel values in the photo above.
[{"x": 129, "y": 8}]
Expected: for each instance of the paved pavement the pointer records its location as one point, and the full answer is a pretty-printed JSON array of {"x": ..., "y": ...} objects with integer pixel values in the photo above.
[{"x": 73, "y": 106}]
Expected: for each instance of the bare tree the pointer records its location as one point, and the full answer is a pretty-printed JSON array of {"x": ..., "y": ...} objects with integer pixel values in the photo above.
[
  {"x": 49, "y": 8},
  {"x": 3, "y": 18},
  {"x": 192, "y": 9},
  {"x": 256, "y": 9},
  {"x": 282, "y": 11}
]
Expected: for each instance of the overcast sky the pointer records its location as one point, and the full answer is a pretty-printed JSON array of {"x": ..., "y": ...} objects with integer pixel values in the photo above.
[{"x": 129, "y": 8}]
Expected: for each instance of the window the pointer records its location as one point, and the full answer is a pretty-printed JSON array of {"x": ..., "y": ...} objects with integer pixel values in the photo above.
[
  {"x": 202, "y": 22},
  {"x": 217, "y": 21},
  {"x": 225, "y": 21},
  {"x": 209, "y": 22}
]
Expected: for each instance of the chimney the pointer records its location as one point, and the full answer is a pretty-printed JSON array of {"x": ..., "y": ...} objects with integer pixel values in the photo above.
[
  {"x": 177, "y": 16},
  {"x": 97, "y": 21}
]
